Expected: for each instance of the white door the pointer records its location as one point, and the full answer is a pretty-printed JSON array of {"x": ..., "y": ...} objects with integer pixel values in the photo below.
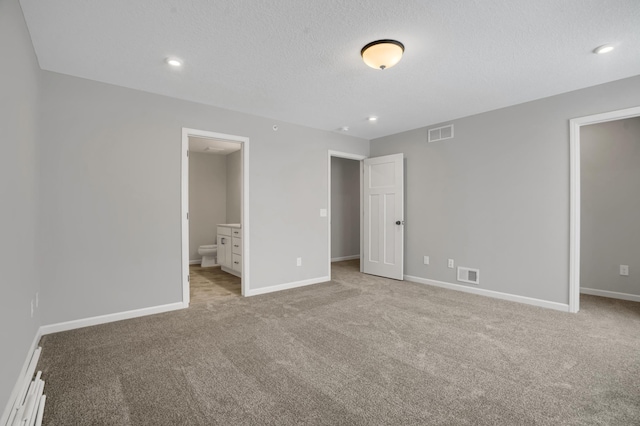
[{"x": 384, "y": 216}]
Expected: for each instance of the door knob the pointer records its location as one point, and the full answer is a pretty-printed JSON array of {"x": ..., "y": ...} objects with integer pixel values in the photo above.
[{"x": 399, "y": 222}]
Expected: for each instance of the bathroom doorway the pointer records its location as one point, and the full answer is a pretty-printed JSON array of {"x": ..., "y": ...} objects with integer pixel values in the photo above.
[
  {"x": 215, "y": 238},
  {"x": 616, "y": 276}
]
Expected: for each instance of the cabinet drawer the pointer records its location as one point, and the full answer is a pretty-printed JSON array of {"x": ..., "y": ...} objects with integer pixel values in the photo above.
[
  {"x": 236, "y": 245},
  {"x": 237, "y": 262},
  {"x": 223, "y": 230},
  {"x": 236, "y": 232}
]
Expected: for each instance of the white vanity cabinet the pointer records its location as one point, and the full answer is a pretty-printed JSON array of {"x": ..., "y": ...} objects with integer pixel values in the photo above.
[{"x": 230, "y": 248}]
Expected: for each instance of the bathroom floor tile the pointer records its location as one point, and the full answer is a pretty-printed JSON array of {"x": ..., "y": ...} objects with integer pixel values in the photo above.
[{"x": 209, "y": 284}]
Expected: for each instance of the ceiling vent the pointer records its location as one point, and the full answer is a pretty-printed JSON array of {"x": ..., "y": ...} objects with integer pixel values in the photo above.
[
  {"x": 441, "y": 133},
  {"x": 468, "y": 275}
]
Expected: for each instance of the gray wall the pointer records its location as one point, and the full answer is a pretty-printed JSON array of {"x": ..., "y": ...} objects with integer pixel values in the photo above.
[
  {"x": 496, "y": 197},
  {"x": 234, "y": 187},
  {"x": 103, "y": 212},
  {"x": 207, "y": 199},
  {"x": 19, "y": 95},
  {"x": 610, "y": 205},
  {"x": 345, "y": 207}
]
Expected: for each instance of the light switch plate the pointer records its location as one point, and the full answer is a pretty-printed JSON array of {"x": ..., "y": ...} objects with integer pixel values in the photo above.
[{"x": 323, "y": 212}]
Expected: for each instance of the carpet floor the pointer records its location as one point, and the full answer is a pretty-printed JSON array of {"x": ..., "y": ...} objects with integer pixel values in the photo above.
[{"x": 359, "y": 350}]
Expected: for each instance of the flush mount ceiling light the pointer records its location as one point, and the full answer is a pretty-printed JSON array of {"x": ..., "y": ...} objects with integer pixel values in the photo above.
[
  {"x": 372, "y": 118},
  {"x": 382, "y": 54},
  {"x": 605, "y": 48},
  {"x": 174, "y": 62}
]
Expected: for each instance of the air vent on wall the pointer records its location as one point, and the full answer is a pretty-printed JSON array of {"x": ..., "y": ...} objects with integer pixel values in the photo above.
[
  {"x": 441, "y": 133},
  {"x": 468, "y": 275}
]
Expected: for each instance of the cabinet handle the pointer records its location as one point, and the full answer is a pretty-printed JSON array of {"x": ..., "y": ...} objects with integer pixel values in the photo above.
[
  {"x": 235, "y": 245},
  {"x": 237, "y": 263}
]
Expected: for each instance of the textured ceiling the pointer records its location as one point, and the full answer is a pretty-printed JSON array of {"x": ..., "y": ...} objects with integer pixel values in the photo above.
[{"x": 299, "y": 60}]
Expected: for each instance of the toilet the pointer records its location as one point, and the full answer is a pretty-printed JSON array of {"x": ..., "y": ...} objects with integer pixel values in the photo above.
[{"x": 209, "y": 255}]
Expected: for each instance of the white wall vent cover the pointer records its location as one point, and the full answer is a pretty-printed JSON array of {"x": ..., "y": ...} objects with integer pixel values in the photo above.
[
  {"x": 441, "y": 133},
  {"x": 468, "y": 275}
]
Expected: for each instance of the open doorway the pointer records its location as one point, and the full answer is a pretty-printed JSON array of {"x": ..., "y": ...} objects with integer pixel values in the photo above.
[
  {"x": 345, "y": 208},
  {"x": 215, "y": 236},
  {"x": 595, "y": 199}
]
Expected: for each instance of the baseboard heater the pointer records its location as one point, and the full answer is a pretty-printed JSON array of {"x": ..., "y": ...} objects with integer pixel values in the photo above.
[{"x": 28, "y": 408}]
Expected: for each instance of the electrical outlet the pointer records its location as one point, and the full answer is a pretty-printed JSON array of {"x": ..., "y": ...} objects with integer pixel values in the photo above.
[
  {"x": 426, "y": 260},
  {"x": 31, "y": 308},
  {"x": 450, "y": 263},
  {"x": 323, "y": 212},
  {"x": 299, "y": 261},
  {"x": 624, "y": 270}
]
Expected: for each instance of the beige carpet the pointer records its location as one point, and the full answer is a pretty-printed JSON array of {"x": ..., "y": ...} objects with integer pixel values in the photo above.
[{"x": 359, "y": 350}]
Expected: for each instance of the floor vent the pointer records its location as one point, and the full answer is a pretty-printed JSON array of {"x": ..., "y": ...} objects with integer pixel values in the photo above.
[
  {"x": 468, "y": 275},
  {"x": 441, "y": 133}
]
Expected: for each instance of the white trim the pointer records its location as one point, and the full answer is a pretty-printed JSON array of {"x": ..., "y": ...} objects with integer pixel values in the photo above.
[
  {"x": 574, "y": 195},
  {"x": 102, "y": 319},
  {"x": 17, "y": 387},
  {"x": 230, "y": 271},
  {"x": 610, "y": 294},
  {"x": 287, "y": 286},
  {"x": 349, "y": 156},
  {"x": 490, "y": 293},
  {"x": 199, "y": 261},
  {"x": 244, "y": 207},
  {"x": 340, "y": 259}
]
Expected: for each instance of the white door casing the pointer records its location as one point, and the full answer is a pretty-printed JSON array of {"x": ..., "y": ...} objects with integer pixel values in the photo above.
[
  {"x": 383, "y": 198},
  {"x": 244, "y": 207}
]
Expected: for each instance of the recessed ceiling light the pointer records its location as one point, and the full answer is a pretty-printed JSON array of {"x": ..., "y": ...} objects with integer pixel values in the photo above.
[
  {"x": 174, "y": 62},
  {"x": 372, "y": 118},
  {"x": 213, "y": 148},
  {"x": 605, "y": 48}
]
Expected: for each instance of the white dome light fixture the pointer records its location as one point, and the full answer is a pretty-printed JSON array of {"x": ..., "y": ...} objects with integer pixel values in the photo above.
[
  {"x": 605, "y": 48},
  {"x": 174, "y": 62},
  {"x": 382, "y": 54}
]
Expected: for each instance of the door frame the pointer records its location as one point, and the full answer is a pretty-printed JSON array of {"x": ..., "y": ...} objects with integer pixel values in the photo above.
[
  {"x": 575, "y": 205},
  {"x": 348, "y": 156},
  {"x": 244, "y": 206}
]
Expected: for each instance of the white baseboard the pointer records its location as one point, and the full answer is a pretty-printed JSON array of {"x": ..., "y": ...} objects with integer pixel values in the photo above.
[
  {"x": 198, "y": 262},
  {"x": 19, "y": 381},
  {"x": 490, "y": 293},
  {"x": 610, "y": 294},
  {"x": 102, "y": 319},
  {"x": 286, "y": 286},
  {"x": 340, "y": 259}
]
